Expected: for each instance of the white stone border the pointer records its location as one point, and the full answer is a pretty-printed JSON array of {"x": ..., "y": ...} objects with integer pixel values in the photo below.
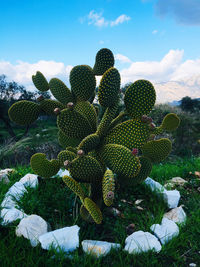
[{"x": 67, "y": 238}]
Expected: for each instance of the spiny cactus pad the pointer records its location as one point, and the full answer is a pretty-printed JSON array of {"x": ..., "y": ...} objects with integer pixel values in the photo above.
[
  {"x": 40, "y": 82},
  {"x": 48, "y": 106},
  {"x": 108, "y": 186},
  {"x": 157, "y": 150},
  {"x": 60, "y": 91},
  {"x": 89, "y": 143},
  {"x": 170, "y": 122},
  {"x": 65, "y": 155},
  {"x": 104, "y": 61},
  {"x": 74, "y": 186},
  {"x": 73, "y": 124},
  {"x": 120, "y": 160},
  {"x": 94, "y": 210},
  {"x": 144, "y": 96},
  {"x": 131, "y": 134},
  {"x": 43, "y": 167},
  {"x": 88, "y": 111},
  {"x": 30, "y": 111},
  {"x": 94, "y": 137},
  {"x": 91, "y": 170},
  {"x": 108, "y": 93},
  {"x": 83, "y": 82},
  {"x": 65, "y": 140}
]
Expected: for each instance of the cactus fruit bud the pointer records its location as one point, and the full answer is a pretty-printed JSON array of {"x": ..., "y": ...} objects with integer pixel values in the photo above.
[
  {"x": 66, "y": 163},
  {"x": 80, "y": 153},
  {"x": 40, "y": 98},
  {"x": 144, "y": 118},
  {"x": 152, "y": 125},
  {"x": 152, "y": 137},
  {"x": 110, "y": 195},
  {"x": 149, "y": 120},
  {"x": 57, "y": 111},
  {"x": 134, "y": 151},
  {"x": 70, "y": 105}
]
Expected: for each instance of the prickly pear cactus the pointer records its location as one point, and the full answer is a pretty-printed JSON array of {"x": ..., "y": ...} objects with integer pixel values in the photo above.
[{"x": 96, "y": 150}]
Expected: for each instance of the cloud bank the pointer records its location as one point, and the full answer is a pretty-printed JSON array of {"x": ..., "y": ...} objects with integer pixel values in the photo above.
[
  {"x": 172, "y": 77},
  {"x": 97, "y": 19},
  {"x": 185, "y": 12}
]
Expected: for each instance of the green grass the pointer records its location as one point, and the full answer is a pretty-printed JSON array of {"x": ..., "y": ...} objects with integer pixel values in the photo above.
[{"x": 55, "y": 203}]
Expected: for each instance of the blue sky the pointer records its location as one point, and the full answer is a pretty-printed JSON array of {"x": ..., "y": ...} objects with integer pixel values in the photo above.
[{"x": 152, "y": 39}]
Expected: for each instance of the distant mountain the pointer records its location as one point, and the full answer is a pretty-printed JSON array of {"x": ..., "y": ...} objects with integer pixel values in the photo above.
[{"x": 177, "y": 103}]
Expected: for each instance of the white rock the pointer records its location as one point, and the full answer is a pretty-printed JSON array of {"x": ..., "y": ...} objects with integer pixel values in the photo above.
[
  {"x": 29, "y": 180},
  {"x": 9, "y": 203},
  {"x": 171, "y": 197},
  {"x": 17, "y": 190},
  {"x": 175, "y": 181},
  {"x": 11, "y": 215},
  {"x": 31, "y": 228},
  {"x": 178, "y": 181},
  {"x": 4, "y": 178},
  {"x": 177, "y": 215},
  {"x": 98, "y": 248},
  {"x": 154, "y": 186},
  {"x": 6, "y": 171},
  {"x": 141, "y": 242},
  {"x": 61, "y": 173},
  {"x": 4, "y": 175},
  {"x": 66, "y": 239},
  {"x": 166, "y": 230},
  {"x": 192, "y": 264}
]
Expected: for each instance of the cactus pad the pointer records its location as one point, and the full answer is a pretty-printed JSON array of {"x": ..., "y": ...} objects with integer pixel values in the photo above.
[
  {"x": 40, "y": 82},
  {"x": 108, "y": 187},
  {"x": 104, "y": 61},
  {"x": 65, "y": 155},
  {"x": 30, "y": 111},
  {"x": 65, "y": 140},
  {"x": 108, "y": 93},
  {"x": 131, "y": 134},
  {"x": 83, "y": 82},
  {"x": 73, "y": 124},
  {"x": 157, "y": 150},
  {"x": 48, "y": 106},
  {"x": 43, "y": 167},
  {"x": 74, "y": 186},
  {"x": 91, "y": 170},
  {"x": 170, "y": 122},
  {"x": 88, "y": 111},
  {"x": 60, "y": 91},
  {"x": 120, "y": 160},
  {"x": 89, "y": 143},
  {"x": 94, "y": 210},
  {"x": 139, "y": 98}
]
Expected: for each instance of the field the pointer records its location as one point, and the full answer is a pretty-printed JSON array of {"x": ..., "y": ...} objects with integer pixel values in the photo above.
[{"x": 59, "y": 211}]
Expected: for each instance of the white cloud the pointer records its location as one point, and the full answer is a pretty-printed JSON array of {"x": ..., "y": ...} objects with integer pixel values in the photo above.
[
  {"x": 154, "y": 31},
  {"x": 122, "y": 58},
  {"x": 22, "y": 72},
  {"x": 172, "y": 78},
  {"x": 98, "y": 20},
  {"x": 120, "y": 20}
]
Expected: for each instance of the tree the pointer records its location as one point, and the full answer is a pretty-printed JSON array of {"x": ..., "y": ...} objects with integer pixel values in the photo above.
[{"x": 188, "y": 104}]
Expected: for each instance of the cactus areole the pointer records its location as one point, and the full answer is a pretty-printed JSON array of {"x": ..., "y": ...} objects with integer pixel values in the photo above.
[{"x": 93, "y": 149}]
